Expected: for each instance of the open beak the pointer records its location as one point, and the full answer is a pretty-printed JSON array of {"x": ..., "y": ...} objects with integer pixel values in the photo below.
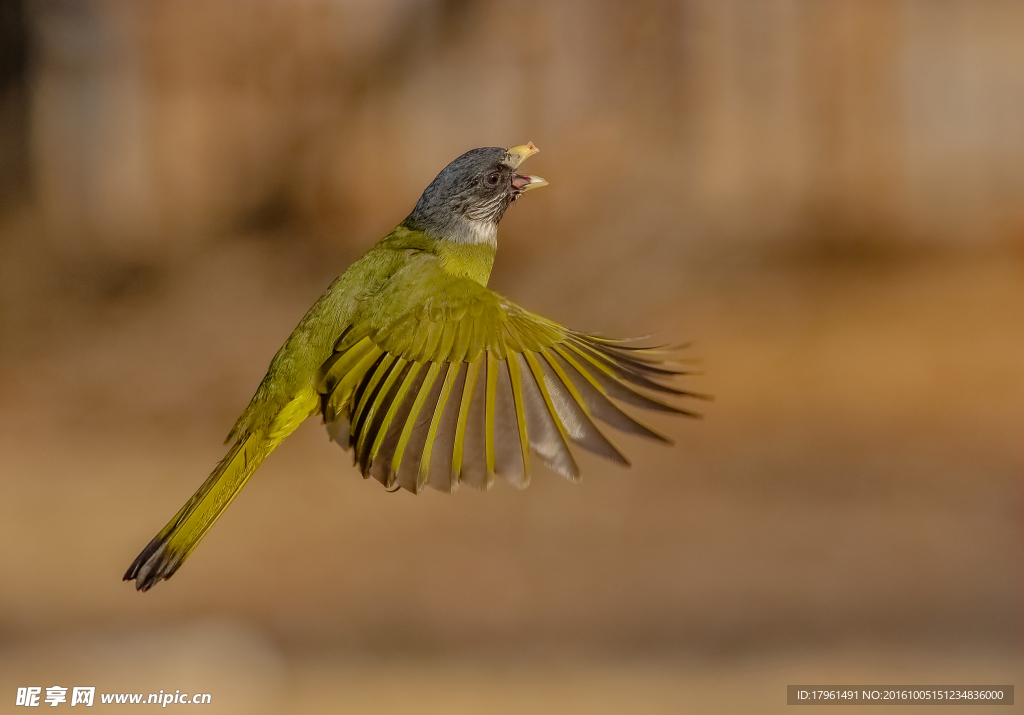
[
  {"x": 516, "y": 156},
  {"x": 522, "y": 184}
]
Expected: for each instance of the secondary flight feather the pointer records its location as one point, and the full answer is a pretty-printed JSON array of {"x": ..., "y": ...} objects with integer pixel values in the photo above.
[{"x": 428, "y": 376}]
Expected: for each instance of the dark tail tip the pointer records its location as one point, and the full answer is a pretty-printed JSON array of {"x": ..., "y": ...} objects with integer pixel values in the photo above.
[{"x": 153, "y": 565}]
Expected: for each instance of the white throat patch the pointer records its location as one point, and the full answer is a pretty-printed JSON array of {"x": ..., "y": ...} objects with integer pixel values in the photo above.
[{"x": 474, "y": 232}]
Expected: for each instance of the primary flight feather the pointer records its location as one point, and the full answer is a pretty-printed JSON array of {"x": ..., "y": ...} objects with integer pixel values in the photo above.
[{"x": 428, "y": 376}]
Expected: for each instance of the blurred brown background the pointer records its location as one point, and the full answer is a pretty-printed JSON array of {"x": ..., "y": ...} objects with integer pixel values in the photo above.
[{"x": 827, "y": 197}]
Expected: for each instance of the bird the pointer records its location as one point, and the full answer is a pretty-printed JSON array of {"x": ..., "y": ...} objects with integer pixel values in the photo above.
[{"x": 428, "y": 376}]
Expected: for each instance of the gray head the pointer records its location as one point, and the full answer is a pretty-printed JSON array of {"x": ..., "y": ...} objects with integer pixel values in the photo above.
[{"x": 468, "y": 198}]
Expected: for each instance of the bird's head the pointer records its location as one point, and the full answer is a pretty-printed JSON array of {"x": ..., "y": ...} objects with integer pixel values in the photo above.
[{"x": 465, "y": 202}]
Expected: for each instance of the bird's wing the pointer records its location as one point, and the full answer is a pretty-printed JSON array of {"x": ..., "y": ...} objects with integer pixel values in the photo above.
[{"x": 459, "y": 385}]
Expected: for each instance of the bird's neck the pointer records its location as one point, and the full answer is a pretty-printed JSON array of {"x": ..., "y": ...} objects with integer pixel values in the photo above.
[
  {"x": 466, "y": 247},
  {"x": 469, "y": 260},
  {"x": 467, "y": 231}
]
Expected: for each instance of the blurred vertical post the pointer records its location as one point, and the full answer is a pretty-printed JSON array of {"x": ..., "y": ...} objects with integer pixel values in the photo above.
[
  {"x": 13, "y": 119},
  {"x": 90, "y": 142}
]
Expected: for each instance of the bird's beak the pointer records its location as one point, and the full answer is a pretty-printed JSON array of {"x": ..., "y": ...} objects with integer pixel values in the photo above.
[
  {"x": 522, "y": 184},
  {"x": 516, "y": 156}
]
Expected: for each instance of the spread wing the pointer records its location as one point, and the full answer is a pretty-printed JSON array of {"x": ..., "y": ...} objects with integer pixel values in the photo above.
[{"x": 463, "y": 385}]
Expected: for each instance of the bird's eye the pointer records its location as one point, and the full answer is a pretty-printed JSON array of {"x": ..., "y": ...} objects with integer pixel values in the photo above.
[{"x": 493, "y": 178}]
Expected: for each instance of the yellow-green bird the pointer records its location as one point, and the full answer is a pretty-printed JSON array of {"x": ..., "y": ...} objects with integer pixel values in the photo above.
[{"x": 431, "y": 378}]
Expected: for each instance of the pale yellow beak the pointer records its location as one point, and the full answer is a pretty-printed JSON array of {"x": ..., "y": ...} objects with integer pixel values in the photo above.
[
  {"x": 516, "y": 156},
  {"x": 524, "y": 183}
]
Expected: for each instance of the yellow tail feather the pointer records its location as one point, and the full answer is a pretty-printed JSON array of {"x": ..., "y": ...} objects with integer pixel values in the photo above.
[{"x": 169, "y": 549}]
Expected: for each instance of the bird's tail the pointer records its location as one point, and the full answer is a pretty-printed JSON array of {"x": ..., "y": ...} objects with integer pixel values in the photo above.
[{"x": 169, "y": 549}]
